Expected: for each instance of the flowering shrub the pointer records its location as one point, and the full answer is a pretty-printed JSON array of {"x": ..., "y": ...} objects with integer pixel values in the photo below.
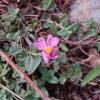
[
  {"x": 48, "y": 48},
  {"x": 30, "y": 33}
]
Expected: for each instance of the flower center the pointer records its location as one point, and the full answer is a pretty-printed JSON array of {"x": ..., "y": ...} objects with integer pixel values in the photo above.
[{"x": 48, "y": 50}]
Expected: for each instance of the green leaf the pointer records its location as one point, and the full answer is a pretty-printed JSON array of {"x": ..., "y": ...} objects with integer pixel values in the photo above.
[
  {"x": 64, "y": 21},
  {"x": 93, "y": 31},
  {"x": 6, "y": 47},
  {"x": 21, "y": 57},
  {"x": 73, "y": 74},
  {"x": 76, "y": 73},
  {"x": 62, "y": 57},
  {"x": 45, "y": 15},
  {"x": 48, "y": 75},
  {"x": 45, "y": 91},
  {"x": 16, "y": 35},
  {"x": 91, "y": 75},
  {"x": 46, "y": 25},
  {"x": 15, "y": 50},
  {"x": 3, "y": 94},
  {"x": 90, "y": 23},
  {"x": 63, "y": 47},
  {"x": 56, "y": 65},
  {"x": 32, "y": 64},
  {"x": 62, "y": 78},
  {"x": 3, "y": 70},
  {"x": 74, "y": 27},
  {"x": 46, "y": 3},
  {"x": 53, "y": 80},
  {"x": 15, "y": 75},
  {"x": 98, "y": 46},
  {"x": 31, "y": 93},
  {"x": 63, "y": 32},
  {"x": 12, "y": 14},
  {"x": 53, "y": 28}
]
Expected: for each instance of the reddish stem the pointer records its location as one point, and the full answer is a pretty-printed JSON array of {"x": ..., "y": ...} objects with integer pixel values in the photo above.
[
  {"x": 23, "y": 75},
  {"x": 5, "y": 1}
]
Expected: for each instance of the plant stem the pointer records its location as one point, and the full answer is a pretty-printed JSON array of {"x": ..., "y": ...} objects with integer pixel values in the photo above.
[
  {"x": 23, "y": 75},
  {"x": 10, "y": 91}
]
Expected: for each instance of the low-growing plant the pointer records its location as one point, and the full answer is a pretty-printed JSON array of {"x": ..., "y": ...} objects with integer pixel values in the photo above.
[{"x": 49, "y": 49}]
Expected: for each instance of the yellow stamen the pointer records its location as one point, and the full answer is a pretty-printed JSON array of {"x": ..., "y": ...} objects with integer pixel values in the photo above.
[{"x": 48, "y": 50}]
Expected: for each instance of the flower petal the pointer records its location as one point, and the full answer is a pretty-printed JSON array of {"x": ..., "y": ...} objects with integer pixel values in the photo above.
[
  {"x": 54, "y": 54},
  {"x": 40, "y": 44},
  {"x": 49, "y": 38},
  {"x": 52, "y": 41},
  {"x": 45, "y": 57}
]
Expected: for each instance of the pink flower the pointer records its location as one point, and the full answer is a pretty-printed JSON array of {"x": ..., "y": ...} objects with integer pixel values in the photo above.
[{"x": 47, "y": 47}]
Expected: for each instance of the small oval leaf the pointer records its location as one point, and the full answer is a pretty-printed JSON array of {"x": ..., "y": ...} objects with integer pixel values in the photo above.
[{"x": 32, "y": 64}]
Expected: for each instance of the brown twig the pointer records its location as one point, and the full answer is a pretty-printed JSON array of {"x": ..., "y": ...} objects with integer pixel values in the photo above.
[
  {"x": 86, "y": 41},
  {"x": 5, "y": 1},
  {"x": 41, "y": 9},
  {"x": 52, "y": 22},
  {"x": 23, "y": 75},
  {"x": 83, "y": 51},
  {"x": 14, "y": 94},
  {"x": 78, "y": 62}
]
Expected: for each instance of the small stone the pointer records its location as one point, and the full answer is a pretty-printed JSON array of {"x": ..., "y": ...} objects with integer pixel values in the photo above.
[{"x": 82, "y": 10}]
